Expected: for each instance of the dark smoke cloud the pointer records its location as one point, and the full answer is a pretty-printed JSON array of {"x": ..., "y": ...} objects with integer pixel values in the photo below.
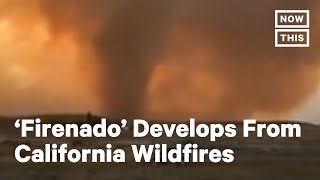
[{"x": 130, "y": 37}]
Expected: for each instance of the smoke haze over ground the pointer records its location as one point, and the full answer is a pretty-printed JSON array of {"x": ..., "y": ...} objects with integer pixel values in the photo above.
[{"x": 208, "y": 59}]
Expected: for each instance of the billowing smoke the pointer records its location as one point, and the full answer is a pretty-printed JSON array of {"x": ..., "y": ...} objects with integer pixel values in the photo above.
[
  {"x": 128, "y": 37},
  {"x": 210, "y": 59},
  {"x": 229, "y": 47}
]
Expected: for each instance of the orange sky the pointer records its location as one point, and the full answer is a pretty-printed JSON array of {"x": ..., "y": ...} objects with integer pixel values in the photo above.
[{"x": 39, "y": 71}]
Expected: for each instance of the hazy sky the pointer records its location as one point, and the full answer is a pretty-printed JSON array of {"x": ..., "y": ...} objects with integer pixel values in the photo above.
[{"x": 156, "y": 59}]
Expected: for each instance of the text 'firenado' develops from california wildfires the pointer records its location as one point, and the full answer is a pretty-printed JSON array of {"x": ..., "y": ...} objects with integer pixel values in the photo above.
[{"x": 189, "y": 152}]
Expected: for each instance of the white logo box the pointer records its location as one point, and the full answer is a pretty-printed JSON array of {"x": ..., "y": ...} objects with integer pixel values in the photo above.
[
  {"x": 307, "y": 12},
  {"x": 292, "y": 45}
]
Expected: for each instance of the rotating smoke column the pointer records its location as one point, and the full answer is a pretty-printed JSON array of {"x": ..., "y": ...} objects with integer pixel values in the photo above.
[{"x": 179, "y": 58}]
